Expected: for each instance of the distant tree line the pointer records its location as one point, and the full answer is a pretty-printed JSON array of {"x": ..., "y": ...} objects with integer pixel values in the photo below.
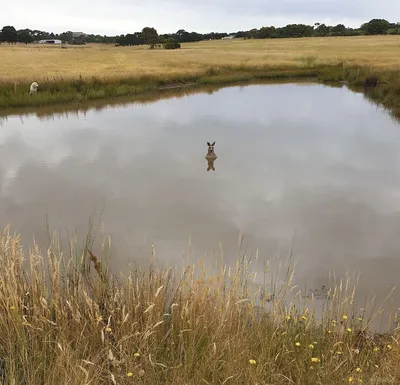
[
  {"x": 10, "y": 35},
  {"x": 149, "y": 35}
]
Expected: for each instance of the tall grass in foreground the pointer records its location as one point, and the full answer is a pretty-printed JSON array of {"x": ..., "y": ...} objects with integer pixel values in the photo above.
[{"x": 66, "y": 319}]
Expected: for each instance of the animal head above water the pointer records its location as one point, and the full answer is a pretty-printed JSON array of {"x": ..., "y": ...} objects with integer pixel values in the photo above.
[{"x": 210, "y": 147}]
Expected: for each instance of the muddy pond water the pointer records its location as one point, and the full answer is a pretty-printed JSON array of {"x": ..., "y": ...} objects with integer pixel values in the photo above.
[{"x": 302, "y": 167}]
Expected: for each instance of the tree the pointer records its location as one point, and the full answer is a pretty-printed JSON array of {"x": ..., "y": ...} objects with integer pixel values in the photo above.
[
  {"x": 265, "y": 32},
  {"x": 242, "y": 34},
  {"x": 376, "y": 27},
  {"x": 253, "y": 33},
  {"x": 25, "y": 36},
  {"x": 130, "y": 39},
  {"x": 38, "y": 35},
  {"x": 171, "y": 43},
  {"x": 9, "y": 34},
  {"x": 78, "y": 40},
  {"x": 182, "y": 36},
  {"x": 66, "y": 36},
  {"x": 295, "y": 30},
  {"x": 322, "y": 30},
  {"x": 338, "y": 30},
  {"x": 150, "y": 36}
]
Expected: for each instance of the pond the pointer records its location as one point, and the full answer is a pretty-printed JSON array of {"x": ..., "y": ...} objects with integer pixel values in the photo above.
[{"x": 302, "y": 167}]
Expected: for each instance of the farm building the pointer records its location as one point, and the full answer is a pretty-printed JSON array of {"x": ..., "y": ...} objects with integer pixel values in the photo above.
[{"x": 50, "y": 41}]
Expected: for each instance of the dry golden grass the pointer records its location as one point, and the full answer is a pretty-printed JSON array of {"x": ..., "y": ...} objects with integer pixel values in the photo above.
[
  {"x": 108, "y": 62},
  {"x": 95, "y": 72},
  {"x": 64, "y": 324}
]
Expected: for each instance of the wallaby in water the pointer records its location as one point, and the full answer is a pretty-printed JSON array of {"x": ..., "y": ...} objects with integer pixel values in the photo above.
[{"x": 211, "y": 156}]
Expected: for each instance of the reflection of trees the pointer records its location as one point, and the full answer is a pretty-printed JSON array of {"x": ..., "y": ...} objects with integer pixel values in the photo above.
[
  {"x": 3, "y": 120},
  {"x": 210, "y": 162}
]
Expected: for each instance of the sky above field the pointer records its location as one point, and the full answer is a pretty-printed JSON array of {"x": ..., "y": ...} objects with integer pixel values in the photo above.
[{"x": 167, "y": 16}]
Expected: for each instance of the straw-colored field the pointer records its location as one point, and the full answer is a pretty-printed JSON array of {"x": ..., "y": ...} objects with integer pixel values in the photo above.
[
  {"x": 38, "y": 62},
  {"x": 94, "y": 72}
]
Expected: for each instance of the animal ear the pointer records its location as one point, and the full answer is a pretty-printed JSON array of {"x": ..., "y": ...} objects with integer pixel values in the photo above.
[
  {"x": 208, "y": 143},
  {"x": 213, "y": 144}
]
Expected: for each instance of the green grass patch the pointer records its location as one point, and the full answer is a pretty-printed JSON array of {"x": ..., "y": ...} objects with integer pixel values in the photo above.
[{"x": 61, "y": 91}]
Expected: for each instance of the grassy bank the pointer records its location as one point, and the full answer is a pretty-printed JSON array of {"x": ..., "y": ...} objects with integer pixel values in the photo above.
[
  {"x": 81, "y": 89},
  {"x": 68, "y": 320},
  {"x": 84, "y": 106},
  {"x": 99, "y": 72}
]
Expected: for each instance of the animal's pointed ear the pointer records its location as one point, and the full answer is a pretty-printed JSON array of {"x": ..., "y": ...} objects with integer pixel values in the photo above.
[
  {"x": 208, "y": 143},
  {"x": 213, "y": 144}
]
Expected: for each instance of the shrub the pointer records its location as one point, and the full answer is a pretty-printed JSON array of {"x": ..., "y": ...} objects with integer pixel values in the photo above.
[{"x": 171, "y": 43}]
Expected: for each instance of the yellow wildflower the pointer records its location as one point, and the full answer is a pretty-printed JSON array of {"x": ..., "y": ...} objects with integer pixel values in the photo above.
[
  {"x": 297, "y": 344},
  {"x": 329, "y": 331},
  {"x": 137, "y": 354},
  {"x": 358, "y": 370},
  {"x": 351, "y": 380},
  {"x": 376, "y": 349},
  {"x": 339, "y": 353},
  {"x": 108, "y": 330},
  {"x": 315, "y": 359},
  {"x": 252, "y": 362},
  {"x": 303, "y": 317},
  {"x": 348, "y": 330},
  {"x": 345, "y": 317},
  {"x": 311, "y": 346},
  {"x": 360, "y": 319},
  {"x": 288, "y": 317},
  {"x": 129, "y": 374},
  {"x": 389, "y": 347}
]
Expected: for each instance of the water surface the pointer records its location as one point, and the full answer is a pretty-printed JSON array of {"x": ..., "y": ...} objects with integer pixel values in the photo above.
[{"x": 303, "y": 162}]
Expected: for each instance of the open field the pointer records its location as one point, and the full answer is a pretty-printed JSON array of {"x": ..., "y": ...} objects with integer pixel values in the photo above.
[
  {"x": 29, "y": 63},
  {"x": 99, "y": 71},
  {"x": 68, "y": 320}
]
